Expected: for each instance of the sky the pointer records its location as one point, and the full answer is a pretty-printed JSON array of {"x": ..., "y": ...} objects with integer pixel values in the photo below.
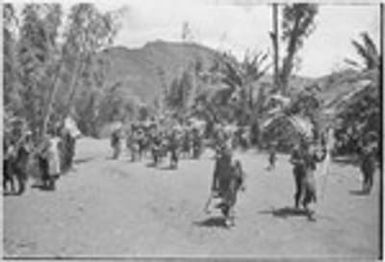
[{"x": 241, "y": 25}]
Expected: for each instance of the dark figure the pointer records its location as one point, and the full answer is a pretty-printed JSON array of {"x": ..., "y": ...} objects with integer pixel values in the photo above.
[
  {"x": 228, "y": 178},
  {"x": 368, "y": 154},
  {"x": 44, "y": 171},
  {"x": 141, "y": 141},
  {"x": 116, "y": 144},
  {"x": 173, "y": 148},
  {"x": 21, "y": 165},
  {"x": 68, "y": 149},
  {"x": 186, "y": 144},
  {"x": 9, "y": 160},
  {"x": 272, "y": 157},
  {"x": 16, "y": 162},
  {"x": 156, "y": 148},
  {"x": 44, "y": 167},
  {"x": 197, "y": 144}
]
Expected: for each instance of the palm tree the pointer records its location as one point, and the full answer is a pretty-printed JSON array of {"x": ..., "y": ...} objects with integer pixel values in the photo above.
[
  {"x": 361, "y": 107},
  {"x": 368, "y": 52}
]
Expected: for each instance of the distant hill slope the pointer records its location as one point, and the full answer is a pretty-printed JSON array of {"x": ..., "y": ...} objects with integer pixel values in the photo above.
[{"x": 139, "y": 70}]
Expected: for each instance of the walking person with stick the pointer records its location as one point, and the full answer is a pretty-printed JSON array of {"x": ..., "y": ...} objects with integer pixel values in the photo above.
[{"x": 304, "y": 158}]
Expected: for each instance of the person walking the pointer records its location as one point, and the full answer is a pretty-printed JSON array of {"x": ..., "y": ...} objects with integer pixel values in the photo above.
[
  {"x": 368, "y": 154},
  {"x": 304, "y": 158}
]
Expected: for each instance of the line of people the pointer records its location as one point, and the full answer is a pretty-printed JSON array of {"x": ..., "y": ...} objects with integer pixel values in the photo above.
[{"x": 141, "y": 141}]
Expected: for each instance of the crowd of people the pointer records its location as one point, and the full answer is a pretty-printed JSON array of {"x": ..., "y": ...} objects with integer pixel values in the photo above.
[
  {"x": 54, "y": 155},
  {"x": 51, "y": 156}
]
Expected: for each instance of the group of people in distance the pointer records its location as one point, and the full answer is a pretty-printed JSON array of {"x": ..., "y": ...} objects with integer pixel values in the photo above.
[
  {"x": 47, "y": 157},
  {"x": 141, "y": 140}
]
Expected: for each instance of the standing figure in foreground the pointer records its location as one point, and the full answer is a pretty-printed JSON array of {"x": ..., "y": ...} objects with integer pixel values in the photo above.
[
  {"x": 304, "y": 158},
  {"x": 228, "y": 179}
]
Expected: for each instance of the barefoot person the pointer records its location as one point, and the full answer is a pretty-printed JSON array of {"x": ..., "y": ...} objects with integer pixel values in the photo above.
[
  {"x": 228, "y": 179},
  {"x": 304, "y": 158}
]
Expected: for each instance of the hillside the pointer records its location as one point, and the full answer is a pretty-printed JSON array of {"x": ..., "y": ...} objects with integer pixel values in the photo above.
[{"x": 140, "y": 70}]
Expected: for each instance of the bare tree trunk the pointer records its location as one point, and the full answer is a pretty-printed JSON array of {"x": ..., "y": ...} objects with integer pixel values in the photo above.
[
  {"x": 288, "y": 60},
  {"x": 275, "y": 39},
  {"x": 51, "y": 96},
  {"x": 79, "y": 68}
]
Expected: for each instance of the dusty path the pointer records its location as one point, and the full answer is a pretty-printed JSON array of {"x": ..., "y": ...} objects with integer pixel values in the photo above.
[{"x": 114, "y": 208}]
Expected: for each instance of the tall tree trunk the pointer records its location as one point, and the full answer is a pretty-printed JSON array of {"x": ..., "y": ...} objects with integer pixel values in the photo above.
[
  {"x": 78, "y": 70},
  {"x": 275, "y": 39},
  {"x": 51, "y": 96},
  {"x": 288, "y": 60}
]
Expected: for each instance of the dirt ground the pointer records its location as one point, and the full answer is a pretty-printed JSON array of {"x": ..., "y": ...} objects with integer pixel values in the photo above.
[{"x": 115, "y": 208}]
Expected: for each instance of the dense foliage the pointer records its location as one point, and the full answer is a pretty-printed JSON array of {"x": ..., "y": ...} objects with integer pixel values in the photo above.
[{"x": 50, "y": 69}]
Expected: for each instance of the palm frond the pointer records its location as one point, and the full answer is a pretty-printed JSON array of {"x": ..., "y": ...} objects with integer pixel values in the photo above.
[
  {"x": 367, "y": 51},
  {"x": 360, "y": 49},
  {"x": 369, "y": 44}
]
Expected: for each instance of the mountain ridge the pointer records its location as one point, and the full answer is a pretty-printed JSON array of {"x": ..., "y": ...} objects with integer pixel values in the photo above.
[{"x": 145, "y": 71}]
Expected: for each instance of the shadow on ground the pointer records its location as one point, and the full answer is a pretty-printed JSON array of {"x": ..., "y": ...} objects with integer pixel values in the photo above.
[
  {"x": 83, "y": 160},
  {"x": 152, "y": 164},
  {"x": 359, "y": 192},
  {"x": 211, "y": 222},
  {"x": 42, "y": 187},
  {"x": 168, "y": 168},
  {"x": 8, "y": 193},
  {"x": 285, "y": 212}
]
